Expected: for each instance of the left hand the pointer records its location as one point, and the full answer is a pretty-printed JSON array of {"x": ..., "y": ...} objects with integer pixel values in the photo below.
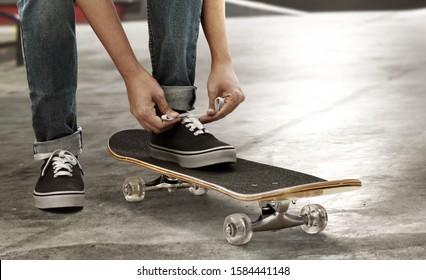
[{"x": 222, "y": 82}]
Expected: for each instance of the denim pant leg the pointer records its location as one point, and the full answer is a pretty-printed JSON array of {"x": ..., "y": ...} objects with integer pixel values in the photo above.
[
  {"x": 173, "y": 34},
  {"x": 49, "y": 44}
]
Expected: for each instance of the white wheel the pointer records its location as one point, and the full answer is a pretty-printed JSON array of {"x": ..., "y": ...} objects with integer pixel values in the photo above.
[
  {"x": 134, "y": 189},
  {"x": 237, "y": 229},
  {"x": 196, "y": 190},
  {"x": 316, "y": 218}
]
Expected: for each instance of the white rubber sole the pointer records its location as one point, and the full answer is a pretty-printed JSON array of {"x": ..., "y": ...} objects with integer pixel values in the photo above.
[
  {"x": 58, "y": 200},
  {"x": 197, "y": 159}
]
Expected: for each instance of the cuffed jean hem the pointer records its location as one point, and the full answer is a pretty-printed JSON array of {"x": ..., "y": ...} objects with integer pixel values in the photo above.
[
  {"x": 180, "y": 98},
  {"x": 72, "y": 143}
]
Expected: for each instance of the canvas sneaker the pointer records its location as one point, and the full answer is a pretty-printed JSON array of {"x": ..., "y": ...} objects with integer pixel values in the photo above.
[
  {"x": 60, "y": 184},
  {"x": 190, "y": 145}
]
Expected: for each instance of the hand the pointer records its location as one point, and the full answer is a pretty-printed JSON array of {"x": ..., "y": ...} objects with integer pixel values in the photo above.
[
  {"x": 144, "y": 95},
  {"x": 222, "y": 82}
]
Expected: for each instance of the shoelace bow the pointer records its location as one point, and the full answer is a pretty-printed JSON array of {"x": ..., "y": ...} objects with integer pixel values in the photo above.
[{"x": 62, "y": 162}]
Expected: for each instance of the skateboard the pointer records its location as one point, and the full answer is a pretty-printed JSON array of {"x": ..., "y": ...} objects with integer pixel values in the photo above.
[{"x": 273, "y": 188}]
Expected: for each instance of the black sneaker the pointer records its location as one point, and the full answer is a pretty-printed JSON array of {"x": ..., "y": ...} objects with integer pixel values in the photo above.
[
  {"x": 190, "y": 145},
  {"x": 60, "y": 184}
]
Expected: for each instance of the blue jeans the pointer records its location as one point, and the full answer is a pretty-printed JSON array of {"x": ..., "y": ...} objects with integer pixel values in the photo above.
[{"x": 50, "y": 51}]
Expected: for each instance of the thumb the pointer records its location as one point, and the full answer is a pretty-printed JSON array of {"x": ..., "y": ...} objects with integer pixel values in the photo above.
[{"x": 164, "y": 107}]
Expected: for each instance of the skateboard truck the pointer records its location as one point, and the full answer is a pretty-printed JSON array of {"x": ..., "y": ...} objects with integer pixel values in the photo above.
[
  {"x": 274, "y": 217},
  {"x": 238, "y": 228},
  {"x": 134, "y": 188}
]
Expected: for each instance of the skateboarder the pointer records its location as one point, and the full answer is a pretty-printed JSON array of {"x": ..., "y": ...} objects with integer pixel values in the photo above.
[{"x": 48, "y": 32}]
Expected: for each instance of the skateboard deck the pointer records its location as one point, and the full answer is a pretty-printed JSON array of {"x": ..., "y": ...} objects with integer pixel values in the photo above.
[
  {"x": 273, "y": 187},
  {"x": 245, "y": 180}
]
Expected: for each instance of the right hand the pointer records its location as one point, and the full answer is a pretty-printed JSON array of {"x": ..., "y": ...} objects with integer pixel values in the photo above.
[{"x": 144, "y": 95}]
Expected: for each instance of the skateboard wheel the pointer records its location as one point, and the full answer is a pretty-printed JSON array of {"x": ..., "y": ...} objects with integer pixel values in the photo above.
[
  {"x": 316, "y": 218},
  {"x": 198, "y": 190},
  {"x": 134, "y": 189},
  {"x": 237, "y": 229}
]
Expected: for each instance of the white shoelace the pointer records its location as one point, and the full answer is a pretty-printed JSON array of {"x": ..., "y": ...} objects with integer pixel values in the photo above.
[
  {"x": 191, "y": 121},
  {"x": 193, "y": 124},
  {"x": 63, "y": 162}
]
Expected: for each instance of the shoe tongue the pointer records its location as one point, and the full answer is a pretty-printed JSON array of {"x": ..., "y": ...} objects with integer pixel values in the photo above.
[{"x": 61, "y": 154}]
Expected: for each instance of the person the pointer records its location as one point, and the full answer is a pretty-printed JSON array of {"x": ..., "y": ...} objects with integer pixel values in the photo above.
[{"x": 160, "y": 102}]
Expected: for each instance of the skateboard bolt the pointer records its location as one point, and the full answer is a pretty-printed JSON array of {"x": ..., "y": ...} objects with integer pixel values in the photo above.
[{"x": 230, "y": 230}]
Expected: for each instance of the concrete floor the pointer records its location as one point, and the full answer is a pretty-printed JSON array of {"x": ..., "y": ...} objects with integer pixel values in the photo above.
[{"x": 334, "y": 95}]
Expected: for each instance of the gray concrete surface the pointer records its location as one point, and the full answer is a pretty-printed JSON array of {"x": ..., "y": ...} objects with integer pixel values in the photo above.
[
  {"x": 347, "y": 5},
  {"x": 334, "y": 95}
]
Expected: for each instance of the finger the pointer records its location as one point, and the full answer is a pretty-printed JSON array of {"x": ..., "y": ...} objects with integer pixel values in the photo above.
[
  {"x": 170, "y": 115},
  {"x": 211, "y": 112},
  {"x": 212, "y": 116},
  {"x": 147, "y": 119},
  {"x": 164, "y": 107},
  {"x": 153, "y": 123},
  {"x": 227, "y": 104},
  {"x": 157, "y": 125}
]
